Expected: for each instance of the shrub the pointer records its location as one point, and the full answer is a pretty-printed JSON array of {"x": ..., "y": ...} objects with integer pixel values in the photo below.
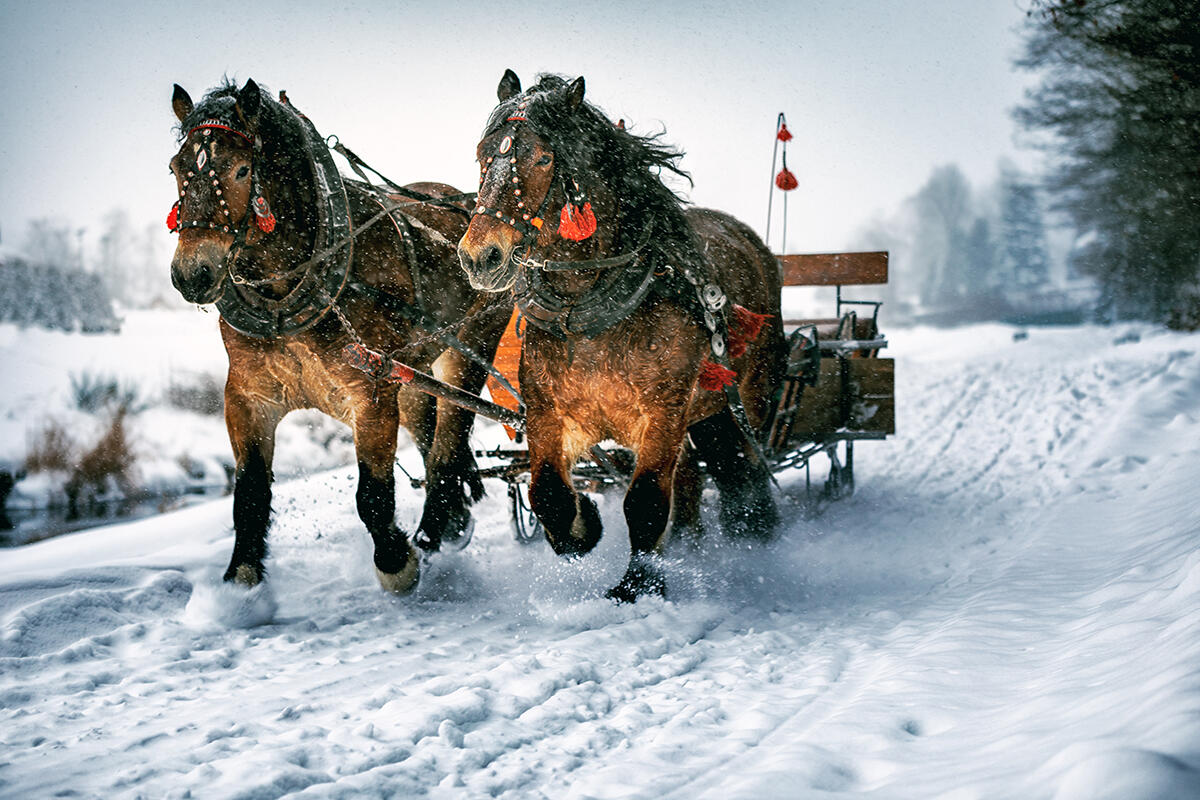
[
  {"x": 105, "y": 466},
  {"x": 93, "y": 392},
  {"x": 201, "y": 393},
  {"x": 50, "y": 449}
]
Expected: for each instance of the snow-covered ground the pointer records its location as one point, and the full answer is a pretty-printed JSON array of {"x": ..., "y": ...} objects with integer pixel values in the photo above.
[{"x": 1007, "y": 608}]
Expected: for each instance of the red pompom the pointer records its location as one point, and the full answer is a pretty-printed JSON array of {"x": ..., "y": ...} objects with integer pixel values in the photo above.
[
  {"x": 576, "y": 223},
  {"x": 784, "y": 135},
  {"x": 744, "y": 328},
  {"x": 173, "y": 218},
  {"x": 714, "y": 377},
  {"x": 265, "y": 224},
  {"x": 785, "y": 180}
]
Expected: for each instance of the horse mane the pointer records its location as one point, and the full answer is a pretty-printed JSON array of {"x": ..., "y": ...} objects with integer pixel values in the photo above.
[
  {"x": 591, "y": 149},
  {"x": 283, "y": 164}
]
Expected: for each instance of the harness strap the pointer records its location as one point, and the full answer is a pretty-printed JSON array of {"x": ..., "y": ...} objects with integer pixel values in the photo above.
[
  {"x": 594, "y": 263},
  {"x": 358, "y": 165},
  {"x": 417, "y": 316}
]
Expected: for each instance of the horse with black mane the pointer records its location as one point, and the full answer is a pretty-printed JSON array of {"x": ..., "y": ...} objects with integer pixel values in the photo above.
[
  {"x": 648, "y": 323},
  {"x": 301, "y": 262}
]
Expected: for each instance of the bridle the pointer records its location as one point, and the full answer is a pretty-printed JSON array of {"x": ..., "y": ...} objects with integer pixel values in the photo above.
[
  {"x": 264, "y": 219},
  {"x": 528, "y": 224}
]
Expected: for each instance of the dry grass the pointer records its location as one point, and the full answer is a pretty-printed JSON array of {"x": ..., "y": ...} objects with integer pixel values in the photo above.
[
  {"x": 50, "y": 449},
  {"x": 107, "y": 463}
]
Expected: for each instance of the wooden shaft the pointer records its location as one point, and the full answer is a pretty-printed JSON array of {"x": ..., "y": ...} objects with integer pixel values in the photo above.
[{"x": 379, "y": 366}]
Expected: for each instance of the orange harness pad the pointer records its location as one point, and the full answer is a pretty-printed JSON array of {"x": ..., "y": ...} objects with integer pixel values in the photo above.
[{"x": 508, "y": 364}]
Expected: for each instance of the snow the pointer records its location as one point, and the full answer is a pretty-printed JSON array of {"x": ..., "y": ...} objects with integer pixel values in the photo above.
[{"x": 1006, "y": 608}]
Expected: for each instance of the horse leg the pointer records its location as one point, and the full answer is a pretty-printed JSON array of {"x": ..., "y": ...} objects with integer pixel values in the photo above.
[
  {"x": 747, "y": 507},
  {"x": 686, "y": 524},
  {"x": 375, "y": 430},
  {"x": 251, "y": 425},
  {"x": 418, "y": 415},
  {"x": 647, "y": 508},
  {"x": 452, "y": 481},
  {"x": 570, "y": 519}
]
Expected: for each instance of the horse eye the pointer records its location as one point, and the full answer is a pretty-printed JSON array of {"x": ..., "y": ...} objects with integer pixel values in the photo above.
[
  {"x": 544, "y": 160},
  {"x": 243, "y": 172}
]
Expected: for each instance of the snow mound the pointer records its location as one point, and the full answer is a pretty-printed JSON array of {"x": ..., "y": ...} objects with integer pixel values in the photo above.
[
  {"x": 216, "y": 604},
  {"x": 1129, "y": 774}
]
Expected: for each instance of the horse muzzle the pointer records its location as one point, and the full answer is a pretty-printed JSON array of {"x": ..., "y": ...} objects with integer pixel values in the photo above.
[
  {"x": 489, "y": 268},
  {"x": 199, "y": 273}
]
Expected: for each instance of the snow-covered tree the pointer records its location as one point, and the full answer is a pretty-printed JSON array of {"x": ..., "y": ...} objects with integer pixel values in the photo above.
[{"x": 1023, "y": 233}]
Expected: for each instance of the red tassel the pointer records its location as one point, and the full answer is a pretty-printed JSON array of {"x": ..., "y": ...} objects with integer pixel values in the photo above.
[
  {"x": 173, "y": 218},
  {"x": 784, "y": 135},
  {"x": 262, "y": 213},
  {"x": 714, "y": 377},
  {"x": 785, "y": 180},
  {"x": 576, "y": 223},
  {"x": 747, "y": 323},
  {"x": 744, "y": 328}
]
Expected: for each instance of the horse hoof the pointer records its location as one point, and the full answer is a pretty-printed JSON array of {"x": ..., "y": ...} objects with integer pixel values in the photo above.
[
  {"x": 404, "y": 581},
  {"x": 426, "y": 542},
  {"x": 641, "y": 579},
  {"x": 244, "y": 574},
  {"x": 454, "y": 532},
  {"x": 584, "y": 533}
]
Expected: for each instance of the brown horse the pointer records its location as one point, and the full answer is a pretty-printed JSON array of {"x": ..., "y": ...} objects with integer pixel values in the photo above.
[
  {"x": 301, "y": 263},
  {"x": 632, "y": 328}
]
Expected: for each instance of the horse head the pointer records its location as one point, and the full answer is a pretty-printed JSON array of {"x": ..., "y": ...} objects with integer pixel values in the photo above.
[
  {"x": 533, "y": 161},
  {"x": 225, "y": 173}
]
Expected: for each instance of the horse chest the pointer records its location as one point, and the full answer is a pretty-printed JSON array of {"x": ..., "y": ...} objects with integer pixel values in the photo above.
[{"x": 303, "y": 380}]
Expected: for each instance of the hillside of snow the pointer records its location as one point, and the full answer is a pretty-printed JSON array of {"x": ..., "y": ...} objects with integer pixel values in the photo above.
[{"x": 1006, "y": 608}]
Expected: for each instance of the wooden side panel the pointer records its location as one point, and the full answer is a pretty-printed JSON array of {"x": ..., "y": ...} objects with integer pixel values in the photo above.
[
  {"x": 864, "y": 327},
  {"x": 870, "y": 403},
  {"x": 832, "y": 269}
]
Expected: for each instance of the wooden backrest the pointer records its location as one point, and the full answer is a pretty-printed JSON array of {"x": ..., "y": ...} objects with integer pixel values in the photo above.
[{"x": 835, "y": 269}]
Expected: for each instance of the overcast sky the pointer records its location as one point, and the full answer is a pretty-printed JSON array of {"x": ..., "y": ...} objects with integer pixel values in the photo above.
[{"x": 877, "y": 93}]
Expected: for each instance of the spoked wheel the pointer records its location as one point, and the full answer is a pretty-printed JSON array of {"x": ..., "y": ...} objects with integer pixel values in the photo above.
[
  {"x": 527, "y": 528},
  {"x": 462, "y": 539}
]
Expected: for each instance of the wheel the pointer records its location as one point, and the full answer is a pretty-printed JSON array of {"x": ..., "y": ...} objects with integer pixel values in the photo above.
[{"x": 527, "y": 528}]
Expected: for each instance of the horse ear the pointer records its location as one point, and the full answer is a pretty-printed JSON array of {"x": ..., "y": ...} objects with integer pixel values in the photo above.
[
  {"x": 250, "y": 99},
  {"x": 510, "y": 85},
  {"x": 575, "y": 93},
  {"x": 181, "y": 103}
]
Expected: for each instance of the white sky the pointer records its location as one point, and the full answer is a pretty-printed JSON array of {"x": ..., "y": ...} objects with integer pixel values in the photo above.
[{"x": 877, "y": 93}]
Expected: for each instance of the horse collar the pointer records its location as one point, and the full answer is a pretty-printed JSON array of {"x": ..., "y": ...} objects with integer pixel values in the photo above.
[{"x": 321, "y": 283}]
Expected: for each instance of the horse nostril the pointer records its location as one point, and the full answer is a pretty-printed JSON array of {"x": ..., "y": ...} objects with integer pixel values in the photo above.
[{"x": 492, "y": 258}]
